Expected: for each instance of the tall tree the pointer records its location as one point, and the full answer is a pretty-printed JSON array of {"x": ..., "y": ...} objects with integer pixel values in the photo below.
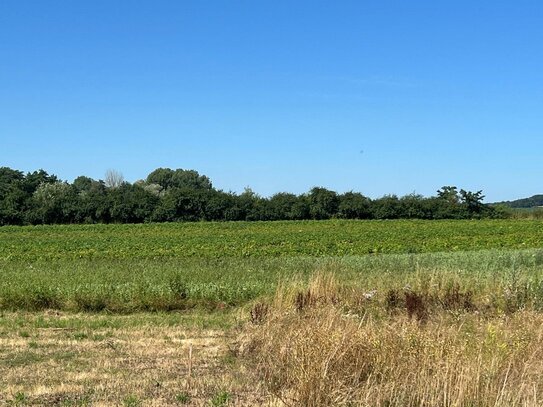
[
  {"x": 354, "y": 205},
  {"x": 323, "y": 203}
]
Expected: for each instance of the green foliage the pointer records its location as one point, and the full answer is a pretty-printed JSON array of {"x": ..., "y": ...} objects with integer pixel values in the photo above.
[
  {"x": 131, "y": 204},
  {"x": 53, "y": 203},
  {"x": 183, "y": 179},
  {"x": 323, "y": 203},
  {"x": 258, "y": 239},
  {"x": 132, "y": 401},
  {"x": 182, "y": 398},
  {"x": 220, "y": 399},
  {"x": 282, "y": 206},
  {"x": 20, "y": 399},
  {"x": 387, "y": 207},
  {"x": 526, "y": 203},
  {"x": 179, "y": 266},
  {"x": 473, "y": 202},
  {"x": 181, "y": 204},
  {"x": 178, "y": 287},
  {"x": 12, "y": 196},
  {"x": 33, "y": 180},
  {"x": 186, "y": 196},
  {"x": 354, "y": 205}
]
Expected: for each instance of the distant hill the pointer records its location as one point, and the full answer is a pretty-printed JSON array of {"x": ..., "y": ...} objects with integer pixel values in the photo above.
[{"x": 532, "y": 202}]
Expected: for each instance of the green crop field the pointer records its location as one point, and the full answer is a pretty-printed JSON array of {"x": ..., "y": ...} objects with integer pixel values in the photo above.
[
  {"x": 264, "y": 239},
  {"x": 127, "y": 268}
]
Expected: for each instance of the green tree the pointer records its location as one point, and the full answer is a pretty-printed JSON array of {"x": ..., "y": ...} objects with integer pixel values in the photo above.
[
  {"x": 323, "y": 203},
  {"x": 472, "y": 202},
  {"x": 161, "y": 176},
  {"x": 387, "y": 207},
  {"x": 12, "y": 196},
  {"x": 53, "y": 203},
  {"x": 131, "y": 204},
  {"x": 34, "y": 179},
  {"x": 300, "y": 209},
  {"x": 181, "y": 204},
  {"x": 415, "y": 206},
  {"x": 281, "y": 206},
  {"x": 183, "y": 179},
  {"x": 248, "y": 203},
  {"x": 82, "y": 184},
  {"x": 354, "y": 205},
  {"x": 448, "y": 205},
  {"x": 219, "y": 205}
]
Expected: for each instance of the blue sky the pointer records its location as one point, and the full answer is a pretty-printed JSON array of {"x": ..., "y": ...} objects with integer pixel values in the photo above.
[{"x": 374, "y": 96}]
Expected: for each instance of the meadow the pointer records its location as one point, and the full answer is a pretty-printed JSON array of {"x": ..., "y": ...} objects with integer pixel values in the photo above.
[{"x": 435, "y": 312}]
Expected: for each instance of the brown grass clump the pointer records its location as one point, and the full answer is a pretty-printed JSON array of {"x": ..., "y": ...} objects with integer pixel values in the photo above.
[{"x": 329, "y": 356}]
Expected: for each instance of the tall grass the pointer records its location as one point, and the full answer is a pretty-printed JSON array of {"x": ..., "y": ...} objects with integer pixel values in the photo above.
[
  {"x": 499, "y": 278},
  {"x": 526, "y": 213},
  {"x": 317, "y": 347}
]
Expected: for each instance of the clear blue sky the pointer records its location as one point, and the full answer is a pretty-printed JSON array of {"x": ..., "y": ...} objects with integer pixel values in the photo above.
[{"x": 375, "y": 96}]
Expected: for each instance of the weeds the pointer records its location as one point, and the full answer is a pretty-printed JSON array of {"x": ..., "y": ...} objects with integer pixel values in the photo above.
[
  {"x": 131, "y": 401},
  {"x": 182, "y": 398},
  {"x": 220, "y": 399},
  {"x": 20, "y": 399},
  {"x": 259, "y": 313},
  {"x": 504, "y": 281},
  {"x": 416, "y": 306},
  {"x": 424, "y": 356},
  {"x": 456, "y": 299}
]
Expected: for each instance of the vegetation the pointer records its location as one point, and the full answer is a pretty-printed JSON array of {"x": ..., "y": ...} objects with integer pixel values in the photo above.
[
  {"x": 129, "y": 268},
  {"x": 263, "y": 239},
  {"x": 424, "y": 346},
  {"x": 393, "y": 330},
  {"x": 116, "y": 360},
  {"x": 531, "y": 202},
  {"x": 301, "y": 313},
  {"x": 526, "y": 213},
  {"x": 168, "y": 195}
]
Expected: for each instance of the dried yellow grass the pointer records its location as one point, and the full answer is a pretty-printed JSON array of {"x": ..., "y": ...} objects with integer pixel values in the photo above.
[{"x": 321, "y": 354}]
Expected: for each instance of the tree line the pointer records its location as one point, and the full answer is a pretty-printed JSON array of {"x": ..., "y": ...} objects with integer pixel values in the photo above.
[
  {"x": 535, "y": 201},
  {"x": 168, "y": 195}
]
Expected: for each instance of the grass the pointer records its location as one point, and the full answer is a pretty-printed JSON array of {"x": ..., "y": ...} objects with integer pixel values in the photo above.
[
  {"x": 395, "y": 313},
  {"x": 137, "y": 359},
  {"x": 344, "y": 349},
  {"x": 165, "y": 267},
  {"x": 527, "y": 213},
  {"x": 160, "y": 285},
  {"x": 321, "y": 341}
]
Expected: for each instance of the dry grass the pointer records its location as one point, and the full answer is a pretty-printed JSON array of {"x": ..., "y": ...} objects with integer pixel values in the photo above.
[
  {"x": 314, "y": 349},
  {"x": 317, "y": 344},
  {"x": 129, "y": 363}
]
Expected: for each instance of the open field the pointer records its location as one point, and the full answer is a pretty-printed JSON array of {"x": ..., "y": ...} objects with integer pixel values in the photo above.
[
  {"x": 129, "y": 268},
  {"x": 437, "y": 313},
  {"x": 59, "y": 359},
  {"x": 167, "y": 284},
  {"x": 263, "y": 239}
]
